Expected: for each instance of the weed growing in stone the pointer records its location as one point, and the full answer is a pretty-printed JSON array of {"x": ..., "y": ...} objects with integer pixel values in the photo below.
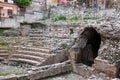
[
  {"x": 1, "y": 32},
  {"x": 60, "y": 18}
]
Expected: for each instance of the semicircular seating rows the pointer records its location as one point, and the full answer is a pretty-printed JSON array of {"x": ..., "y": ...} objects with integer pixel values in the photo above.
[{"x": 38, "y": 55}]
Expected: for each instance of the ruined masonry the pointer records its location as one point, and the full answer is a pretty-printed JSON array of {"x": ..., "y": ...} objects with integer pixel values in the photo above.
[
  {"x": 54, "y": 45},
  {"x": 52, "y": 48}
]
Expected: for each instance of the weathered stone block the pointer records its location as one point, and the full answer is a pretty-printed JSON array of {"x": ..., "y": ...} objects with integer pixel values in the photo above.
[
  {"x": 35, "y": 75},
  {"x": 13, "y": 78},
  {"x": 57, "y": 69},
  {"x": 51, "y": 71},
  {"x": 103, "y": 65}
]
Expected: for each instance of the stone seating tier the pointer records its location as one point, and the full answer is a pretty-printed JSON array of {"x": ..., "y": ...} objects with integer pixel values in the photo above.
[
  {"x": 33, "y": 56},
  {"x": 3, "y": 53}
]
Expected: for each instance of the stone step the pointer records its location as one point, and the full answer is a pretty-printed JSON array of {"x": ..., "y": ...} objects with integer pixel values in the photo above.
[
  {"x": 36, "y": 38},
  {"x": 56, "y": 37},
  {"x": 29, "y": 57},
  {"x": 36, "y": 35},
  {"x": 47, "y": 36},
  {"x": 36, "y": 29},
  {"x": 35, "y": 32},
  {"x": 48, "y": 41},
  {"x": 3, "y": 48},
  {"x": 41, "y": 46},
  {"x": 38, "y": 45},
  {"x": 2, "y": 58},
  {"x": 37, "y": 41},
  {"x": 42, "y": 50},
  {"x": 4, "y": 54},
  {"x": 40, "y": 54},
  {"x": 3, "y": 51},
  {"x": 32, "y": 62},
  {"x": 40, "y": 40},
  {"x": 42, "y": 43}
]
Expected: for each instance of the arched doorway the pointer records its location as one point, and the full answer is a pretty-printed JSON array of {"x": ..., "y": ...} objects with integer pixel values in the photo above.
[{"x": 89, "y": 44}]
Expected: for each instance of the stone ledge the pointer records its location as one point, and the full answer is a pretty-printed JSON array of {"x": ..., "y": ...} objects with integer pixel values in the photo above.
[
  {"x": 104, "y": 66},
  {"x": 52, "y": 70},
  {"x": 42, "y": 72},
  {"x": 84, "y": 70}
]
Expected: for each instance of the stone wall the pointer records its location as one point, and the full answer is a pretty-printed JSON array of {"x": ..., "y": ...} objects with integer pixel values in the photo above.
[
  {"x": 105, "y": 67},
  {"x": 66, "y": 11},
  {"x": 52, "y": 70},
  {"x": 15, "y": 22},
  {"x": 108, "y": 51},
  {"x": 9, "y": 23},
  {"x": 33, "y": 13},
  {"x": 56, "y": 58},
  {"x": 85, "y": 71},
  {"x": 43, "y": 72},
  {"x": 108, "y": 55},
  {"x": 37, "y": 11},
  {"x": 100, "y": 66}
]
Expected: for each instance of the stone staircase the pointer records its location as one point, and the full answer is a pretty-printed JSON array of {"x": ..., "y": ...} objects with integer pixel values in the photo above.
[
  {"x": 40, "y": 48},
  {"x": 4, "y": 52},
  {"x": 36, "y": 37},
  {"x": 44, "y": 38},
  {"x": 33, "y": 56}
]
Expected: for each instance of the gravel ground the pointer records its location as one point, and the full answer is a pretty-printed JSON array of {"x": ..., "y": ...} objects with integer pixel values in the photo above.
[
  {"x": 6, "y": 70},
  {"x": 73, "y": 76},
  {"x": 70, "y": 76}
]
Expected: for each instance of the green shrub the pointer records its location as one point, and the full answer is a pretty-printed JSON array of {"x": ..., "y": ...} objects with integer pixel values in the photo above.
[
  {"x": 17, "y": 71},
  {"x": 74, "y": 18},
  {"x": 25, "y": 22},
  {"x": 71, "y": 31},
  {"x": 90, "y": 18},
  {"x": 60, "y": 18},
  {"x": 33, "y": 26},
  {"x": 23, "y": 3},
  {"x": 2, "y": 43},
  {"x": 4, "y": 74},
  {"x": 44, "y": 18},
  {"x": 89, "y": 7},
  {"x": 64, "y": 46},
  {"x": 1, "y": 32},
  {"x": 13, "y": 29},
  {"x": 85, "y": 11}
]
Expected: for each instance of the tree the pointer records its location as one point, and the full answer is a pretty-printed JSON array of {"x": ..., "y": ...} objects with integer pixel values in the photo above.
[{"x": 23, "y": 3}]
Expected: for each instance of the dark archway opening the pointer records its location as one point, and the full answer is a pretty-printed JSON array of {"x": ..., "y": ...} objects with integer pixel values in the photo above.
[
  {"x": 71, "y": 31},
  {"x": 89, "y": 44},
  {"x": 118, "y": 73}
]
